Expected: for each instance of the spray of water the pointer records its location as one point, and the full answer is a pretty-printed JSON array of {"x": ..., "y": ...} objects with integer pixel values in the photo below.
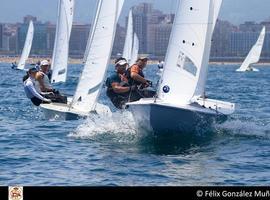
[
  {"x": 246, "y": 128},
  {"x": 120, "y": 127}
]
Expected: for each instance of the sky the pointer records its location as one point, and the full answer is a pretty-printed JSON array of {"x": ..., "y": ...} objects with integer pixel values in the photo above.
[{"x": 235, "y": 11}]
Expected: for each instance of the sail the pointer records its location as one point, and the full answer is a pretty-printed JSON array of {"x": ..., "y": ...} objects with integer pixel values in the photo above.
[
  {"x": 135, "y": 50},
  {"x": 61, "y": 43},
  {"x": 91, "y": 32},
  {"x": 92, "y": 76},
  {"x": 127, "y": 52},
  {"x": 27, "y": 46},
  {"x": 200, "y": 90},
  {"x": 255, "y": 53},
  {"x": 188, "y": 51}
]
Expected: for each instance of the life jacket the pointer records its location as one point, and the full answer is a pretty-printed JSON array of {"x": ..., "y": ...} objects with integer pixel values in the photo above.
[{"x": 131, "y": 81}]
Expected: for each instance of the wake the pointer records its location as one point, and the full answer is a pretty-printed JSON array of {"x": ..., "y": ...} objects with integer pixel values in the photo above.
[{"x": 238, "y": 127}]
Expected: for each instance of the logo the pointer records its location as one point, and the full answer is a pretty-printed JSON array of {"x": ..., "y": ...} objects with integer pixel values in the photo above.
[
  {"x": 15, "y": 193},
  {"x": 166, "y": 89}
]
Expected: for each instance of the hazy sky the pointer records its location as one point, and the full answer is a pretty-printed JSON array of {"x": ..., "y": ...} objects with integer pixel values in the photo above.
[{"x": 236, "y": 11}]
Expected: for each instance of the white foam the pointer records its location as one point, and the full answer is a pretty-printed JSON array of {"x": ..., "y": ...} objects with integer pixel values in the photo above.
[
  {"x": 245, "y": 128},
  {"x": 119, "y": 126}
]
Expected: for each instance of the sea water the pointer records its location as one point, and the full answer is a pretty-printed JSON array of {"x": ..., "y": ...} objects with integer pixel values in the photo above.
[{"x": 110, "y": 151}]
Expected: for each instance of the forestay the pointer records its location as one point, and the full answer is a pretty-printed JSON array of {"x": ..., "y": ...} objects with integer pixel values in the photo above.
[
  {"x": 61, "y": 43},
  {"x": 27, "y": 46},
  {"x": 188, "y": 53},
  {"x": 92, "y": 76},
  {"x": 255, "y": 53}
]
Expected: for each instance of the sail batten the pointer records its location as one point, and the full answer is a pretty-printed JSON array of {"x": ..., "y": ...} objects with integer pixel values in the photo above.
[
  {"x": 97, "y": 60},
  {"x": 61, "y": 44},
  {"x": 27, "y": 46}
]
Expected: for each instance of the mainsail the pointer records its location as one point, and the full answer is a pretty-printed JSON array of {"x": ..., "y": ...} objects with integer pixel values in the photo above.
[
  {"x": 98, "y": 57},
  {"x": 135, "y": 50},
  {"x": 187, "y": 58},
  {"x": 127, "y": 52},
  {"x": 27, "y": 46},
  {"x": 61, "y": 44},
  {"x": 255, "y": 53}
]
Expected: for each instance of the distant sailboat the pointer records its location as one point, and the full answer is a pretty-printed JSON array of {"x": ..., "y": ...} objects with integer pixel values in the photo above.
[
  {"x": 254, "y": 55},
  {"x": 131, "y": 47},
  {"x": 27, "y": 47},
  {"x": 92, "y": 77},
  {"x": 181, "y": 105},
  {"x": 61, "y": 43}
]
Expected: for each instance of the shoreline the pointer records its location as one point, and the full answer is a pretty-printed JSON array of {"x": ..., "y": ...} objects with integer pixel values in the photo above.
[{"x": 80, "y": 61}]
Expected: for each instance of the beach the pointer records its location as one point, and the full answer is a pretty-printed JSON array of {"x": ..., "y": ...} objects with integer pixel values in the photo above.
[{"x": 34, "y": 60}]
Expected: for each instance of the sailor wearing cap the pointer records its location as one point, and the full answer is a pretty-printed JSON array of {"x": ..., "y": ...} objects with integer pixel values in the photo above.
[
  {"x": 118, "y": 89},
  {"x": 135, "y": 73},
  {"x": 30, "y": 90},
  {"x": 43, "y": 81},
  {"x": 136, "y": 77}
]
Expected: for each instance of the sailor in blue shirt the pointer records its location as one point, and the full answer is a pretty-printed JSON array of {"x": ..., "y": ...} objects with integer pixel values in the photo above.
[
  {"x": 30, "y": 90},
  {"x": 118, "y": 89}
]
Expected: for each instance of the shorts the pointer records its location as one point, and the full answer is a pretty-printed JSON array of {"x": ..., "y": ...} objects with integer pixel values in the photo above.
[{"x": 36, "y": 101}]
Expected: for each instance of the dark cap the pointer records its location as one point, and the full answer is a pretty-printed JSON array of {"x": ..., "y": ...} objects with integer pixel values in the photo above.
[
  {"x": 142, "y": 59},
  {"x": 32, "y": 70}
]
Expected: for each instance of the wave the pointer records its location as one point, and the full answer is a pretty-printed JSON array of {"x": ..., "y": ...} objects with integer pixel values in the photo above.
[{"x": 240, "y": 128}]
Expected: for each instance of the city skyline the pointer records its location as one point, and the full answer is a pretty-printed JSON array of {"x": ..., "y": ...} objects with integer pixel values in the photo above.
[
  {"x": 237, "y": 12},
  {"x": 153, "y": 28}
]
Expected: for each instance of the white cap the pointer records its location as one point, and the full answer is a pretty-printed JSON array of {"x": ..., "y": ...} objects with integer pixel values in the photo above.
[
  {"x": 44, "y": 63},
  {"x": 121, "y": 62}
]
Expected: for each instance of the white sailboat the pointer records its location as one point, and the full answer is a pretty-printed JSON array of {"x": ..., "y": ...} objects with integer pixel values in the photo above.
[
  {"x": 180, "y": 105},
  {"x": 93, "y": 74},
  {"x": 27, "y": 46},
  {"x": 131, "y": 47},
  {"x": 253, "y": 56},
  {"x": 61, "y": 43}
]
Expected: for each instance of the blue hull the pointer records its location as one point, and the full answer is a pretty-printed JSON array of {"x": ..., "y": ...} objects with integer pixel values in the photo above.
[{"x": 165, "y": 119}]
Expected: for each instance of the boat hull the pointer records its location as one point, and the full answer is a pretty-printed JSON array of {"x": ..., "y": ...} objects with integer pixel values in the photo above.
[
  {"x": 165, "y": 119},
  {"x": 58, "y": 111}
]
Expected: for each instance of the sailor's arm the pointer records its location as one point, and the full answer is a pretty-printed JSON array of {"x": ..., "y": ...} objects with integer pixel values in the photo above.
[
  {"x": 117, "y": 88},
  {"x": 138, "y": 78},
  {"x": 33, "y": 91}
]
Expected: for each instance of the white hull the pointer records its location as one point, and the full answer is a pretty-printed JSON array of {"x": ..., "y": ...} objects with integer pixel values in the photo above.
[
  {"x": 60, "y": 111},
  {"x": 250, "y": 69},
  {"x": 162, "y": 118}
]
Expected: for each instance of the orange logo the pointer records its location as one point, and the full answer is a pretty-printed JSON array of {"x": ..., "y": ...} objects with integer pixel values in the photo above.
[{"x": 15, "y": 193}]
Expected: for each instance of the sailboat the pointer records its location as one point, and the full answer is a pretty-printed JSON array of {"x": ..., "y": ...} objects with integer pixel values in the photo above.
[
  {"x": 181, "y": 105},
  {"x": 61, "y": 43},
  {"x": 254, "y": 54},
  {"x": 27, "y": 47},
  {"x": 92, "y": 77},
  {"x": 131, "y": 47}
]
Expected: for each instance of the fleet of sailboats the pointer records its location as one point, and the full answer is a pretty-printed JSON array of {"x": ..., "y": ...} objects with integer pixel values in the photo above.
[
  {"x": 253, "y": 56},
  {"x": 27, "y": 47},
  {"x": 92, "y": 77},
  {"x": 61, "y": 44},
  {"x": 181, "y": 105}
]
